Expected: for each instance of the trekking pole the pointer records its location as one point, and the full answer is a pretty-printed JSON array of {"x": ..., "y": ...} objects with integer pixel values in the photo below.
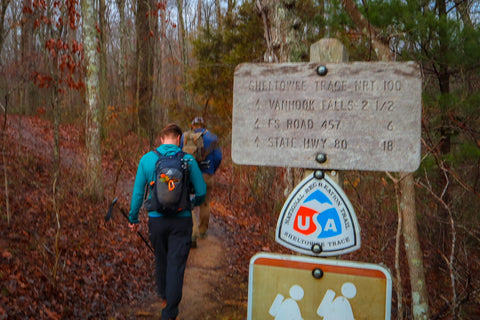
[{"x": 124, "y": 213}]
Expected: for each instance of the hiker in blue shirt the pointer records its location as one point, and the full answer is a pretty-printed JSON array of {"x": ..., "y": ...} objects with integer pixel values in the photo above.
[
  {"x": 170, "y": 235},
  {"x": 213, "y": 158}
]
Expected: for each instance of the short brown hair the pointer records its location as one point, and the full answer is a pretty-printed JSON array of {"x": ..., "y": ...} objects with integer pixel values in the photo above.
[{"x": 171, "y": 130}]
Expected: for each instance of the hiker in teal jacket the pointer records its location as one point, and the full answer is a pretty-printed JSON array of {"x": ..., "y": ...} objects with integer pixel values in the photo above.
[{"x": 170, "y": 235}]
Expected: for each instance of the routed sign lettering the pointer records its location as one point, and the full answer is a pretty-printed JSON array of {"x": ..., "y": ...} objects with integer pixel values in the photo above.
[{"x": 361, "y": 115}]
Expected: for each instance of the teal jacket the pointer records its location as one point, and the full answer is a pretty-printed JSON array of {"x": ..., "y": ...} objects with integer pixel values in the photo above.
[{"x": 146, "y": 174}]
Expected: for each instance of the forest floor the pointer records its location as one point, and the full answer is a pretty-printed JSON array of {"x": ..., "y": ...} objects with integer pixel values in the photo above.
[{"x": 60, "y": 260}]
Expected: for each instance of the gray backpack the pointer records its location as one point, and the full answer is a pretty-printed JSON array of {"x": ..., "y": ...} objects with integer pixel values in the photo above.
[{"x": 170, "y": 190}]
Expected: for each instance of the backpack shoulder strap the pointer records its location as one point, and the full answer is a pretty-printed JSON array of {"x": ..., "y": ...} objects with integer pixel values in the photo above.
[
  {"x": 157, "y": 153},
  {"x": 180, "y": 154},
  {"x": 212, "y": 146},
  {"x": 185, "y": 136}
]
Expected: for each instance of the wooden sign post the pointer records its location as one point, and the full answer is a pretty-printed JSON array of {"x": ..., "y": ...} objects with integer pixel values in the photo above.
[{"x": 324, "y": 115}]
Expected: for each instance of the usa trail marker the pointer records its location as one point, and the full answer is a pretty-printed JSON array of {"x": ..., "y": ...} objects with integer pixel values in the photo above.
[
  {"x": 285, "y": 287},
  {"x": 360, "y": 115},
  {"x": 318, "y": 219}
]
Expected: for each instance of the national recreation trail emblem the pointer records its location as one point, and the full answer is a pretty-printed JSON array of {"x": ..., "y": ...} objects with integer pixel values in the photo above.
[{"x": 318, "y": 219}]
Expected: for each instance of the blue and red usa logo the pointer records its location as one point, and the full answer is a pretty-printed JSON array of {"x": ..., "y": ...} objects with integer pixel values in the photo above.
[{"x": 318, "y": 214}]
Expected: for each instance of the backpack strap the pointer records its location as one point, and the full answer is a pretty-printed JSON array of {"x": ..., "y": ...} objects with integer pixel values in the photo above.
[
  {"x": 150, "y": 185},
  {"x": 179, "y": 153},
  {"x": 211, "y": 147}
]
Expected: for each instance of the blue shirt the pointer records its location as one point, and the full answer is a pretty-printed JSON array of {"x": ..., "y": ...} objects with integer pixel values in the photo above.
[{"x": 146, "y": 174}]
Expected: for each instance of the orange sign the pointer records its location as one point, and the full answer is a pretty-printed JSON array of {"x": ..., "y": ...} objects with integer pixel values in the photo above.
[{"x": 283, "y": 287}]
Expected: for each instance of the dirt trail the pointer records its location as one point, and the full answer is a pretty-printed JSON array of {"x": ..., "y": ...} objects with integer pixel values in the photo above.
[
  {"x": 205, "y": 272},
  {"x": 204, "y": 275}
]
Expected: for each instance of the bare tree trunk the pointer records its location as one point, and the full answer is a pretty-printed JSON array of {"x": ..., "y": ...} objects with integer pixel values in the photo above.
[
  {"x": 103, "y": 60},
  {"x": 4, "y": 158},
  {"x": 446, "y": 132},
  {"x": 230, "y": 7},
  {"x": 280, "y": 37},
  {"x": 464, "y": 10},
  {"x": 265, "y": 11},
  {"x": 454, "y": 304},
  {"x": 152, "y": 59},
  {"x": 145, "y": 71},
  {"x": 56, "y": 132},
  {"x": 183, "y": 51},
  {"x": 56, "y": 176},
  {"x": 218, "y": 13},
  {"x": 56, "y": 111},
  {"x": 26, "y": 46},
  {"x": 122, "y": 59},
  {"x": 398, "y": 238},
  {"x": 420, "y": 307},
  {"x": 282, "y": 30},
  {"x": 380, "y": 46},
  {"x": 94, "y": 178},
  {"x": 3, "y": 11},
  {"x": 199, "y": 15},
  {"x": 161, "y": 66}
]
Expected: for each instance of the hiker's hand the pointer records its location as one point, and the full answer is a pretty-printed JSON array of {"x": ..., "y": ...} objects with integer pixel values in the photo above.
[{"x": 133, "y": 227}]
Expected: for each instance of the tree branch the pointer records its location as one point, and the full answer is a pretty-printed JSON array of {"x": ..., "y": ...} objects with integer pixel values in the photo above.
[
  {"x": 380, "y": 45},
  {"x": 451, "y": 260}
]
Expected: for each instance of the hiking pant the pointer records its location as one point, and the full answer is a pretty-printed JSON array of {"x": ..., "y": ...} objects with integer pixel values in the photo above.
[
  {"x": 170, "y": 238},
  {"x": 204, "y": 212}
]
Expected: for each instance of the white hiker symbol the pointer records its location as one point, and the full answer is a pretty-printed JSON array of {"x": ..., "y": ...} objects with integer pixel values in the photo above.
[
  {"x": 339, "y": 308},
  {"x": 287, "y": 309}
]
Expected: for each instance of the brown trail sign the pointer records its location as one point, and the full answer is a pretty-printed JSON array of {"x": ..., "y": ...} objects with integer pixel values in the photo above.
[
  {"x": 360, "y": 115},
  {"x": 297, "y": 287}
]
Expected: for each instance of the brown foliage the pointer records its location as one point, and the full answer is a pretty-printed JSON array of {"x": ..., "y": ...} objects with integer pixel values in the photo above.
[
  {"x": 93, "y": 268},
  {"x": 89, "y": 269},
  {"x": 85, "y": 268}
]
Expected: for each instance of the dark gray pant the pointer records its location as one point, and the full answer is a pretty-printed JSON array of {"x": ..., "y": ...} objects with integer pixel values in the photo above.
[{"x": 170, "y": 238}]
